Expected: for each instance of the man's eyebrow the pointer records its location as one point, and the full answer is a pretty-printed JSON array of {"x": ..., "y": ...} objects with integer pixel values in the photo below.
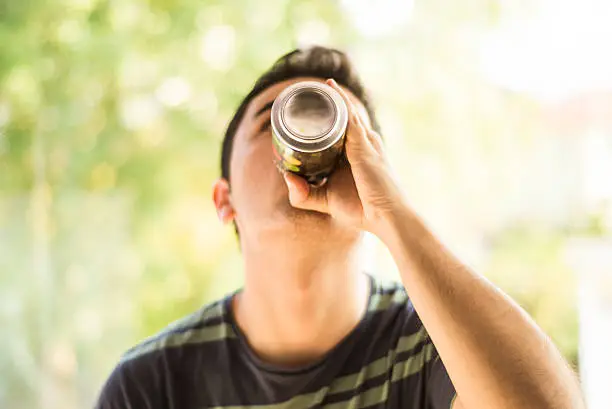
[{"x": 264, "y": 108}]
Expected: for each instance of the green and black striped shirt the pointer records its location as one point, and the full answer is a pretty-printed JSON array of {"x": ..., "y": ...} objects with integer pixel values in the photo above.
[{"x": 203, "y": 361}]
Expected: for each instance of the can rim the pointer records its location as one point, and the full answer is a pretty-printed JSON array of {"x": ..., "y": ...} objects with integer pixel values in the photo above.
[
  {"x": 324, "y": 95},
  {"x": 295, "y": 141}
]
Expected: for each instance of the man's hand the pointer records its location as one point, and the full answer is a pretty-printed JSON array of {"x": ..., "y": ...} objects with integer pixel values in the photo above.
[{"x": 359, "y": 193}]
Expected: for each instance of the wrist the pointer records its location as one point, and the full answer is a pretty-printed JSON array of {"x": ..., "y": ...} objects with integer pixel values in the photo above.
[
  {"x": 396, "y": 218},
  {"x": 401, "y": 227}
]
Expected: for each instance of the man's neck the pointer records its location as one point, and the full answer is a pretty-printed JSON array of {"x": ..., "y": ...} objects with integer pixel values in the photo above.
[{"x": 296, "y": 305}]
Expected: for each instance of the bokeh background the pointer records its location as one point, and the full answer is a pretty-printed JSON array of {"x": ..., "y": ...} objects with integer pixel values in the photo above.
[{"x": 497, "y": 115}]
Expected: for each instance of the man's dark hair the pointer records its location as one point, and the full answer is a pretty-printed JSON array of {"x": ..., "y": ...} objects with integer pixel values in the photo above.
[{"x": 318, "y": 62}]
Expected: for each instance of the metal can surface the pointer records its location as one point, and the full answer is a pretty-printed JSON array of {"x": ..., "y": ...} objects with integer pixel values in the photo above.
[{"x": 309, "y": 121}]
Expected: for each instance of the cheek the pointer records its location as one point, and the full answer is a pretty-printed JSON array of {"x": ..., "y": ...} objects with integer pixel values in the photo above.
[
  {"x": 256, "y": 158},
  {"x": 254, "y": 172}
]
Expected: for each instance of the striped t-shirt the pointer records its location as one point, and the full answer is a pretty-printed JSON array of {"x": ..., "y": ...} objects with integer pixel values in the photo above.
[{"x": 203, "y": 361}]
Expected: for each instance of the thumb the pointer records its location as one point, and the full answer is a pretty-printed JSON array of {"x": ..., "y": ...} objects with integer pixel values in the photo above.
[{"x": 304, "y": 196}]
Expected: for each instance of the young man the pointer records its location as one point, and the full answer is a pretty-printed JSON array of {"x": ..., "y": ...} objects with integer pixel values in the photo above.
[{"x": 310, "y": 328}]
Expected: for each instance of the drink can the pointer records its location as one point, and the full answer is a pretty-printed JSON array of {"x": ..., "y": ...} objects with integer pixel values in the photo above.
[{"x": 309, "y": 122}]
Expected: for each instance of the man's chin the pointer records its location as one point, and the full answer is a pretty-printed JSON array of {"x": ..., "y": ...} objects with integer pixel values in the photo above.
[
  {"x": 292, "y": 223},
  {"x": 295, "y": 215},
  {"x": 308, "y": 226},
  {"x": 286, "y": 217}
]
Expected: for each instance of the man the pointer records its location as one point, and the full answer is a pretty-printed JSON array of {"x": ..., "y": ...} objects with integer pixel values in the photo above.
[{"x": 309, "y": 328}]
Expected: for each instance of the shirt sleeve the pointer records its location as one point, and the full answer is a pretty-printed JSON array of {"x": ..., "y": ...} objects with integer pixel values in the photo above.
[
  {"x": 432, "y": 387},
  {"x": 439, "y": 390},
  {"x": 130, "y": 386}
]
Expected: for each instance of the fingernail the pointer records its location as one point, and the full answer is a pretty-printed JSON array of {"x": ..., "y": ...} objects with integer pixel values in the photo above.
[
  {"x": 332, "y": 81},
  {"x": 287, "y": 182}
]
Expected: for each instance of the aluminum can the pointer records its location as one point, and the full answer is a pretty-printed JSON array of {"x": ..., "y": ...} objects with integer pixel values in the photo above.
[{"x": 309, "y": 122}]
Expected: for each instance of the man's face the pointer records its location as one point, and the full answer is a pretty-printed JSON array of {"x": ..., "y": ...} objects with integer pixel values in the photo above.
[{"x": 256, "y": 196}]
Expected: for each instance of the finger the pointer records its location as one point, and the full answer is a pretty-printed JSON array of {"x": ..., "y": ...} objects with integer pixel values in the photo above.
[
  {"x": 304, "y": 196},
  {"x": 376, "y": 140},
  {"x": 359, "y": 115},
  {"x": 373, "y": 137},
  {"x": 356, "y": 131}
]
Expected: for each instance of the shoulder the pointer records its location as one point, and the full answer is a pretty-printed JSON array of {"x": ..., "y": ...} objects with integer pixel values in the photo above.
[
  {"x": 394, "y": 315},
  {"x": 390, "y": 299},
  {"x": 414, "y": 361},
  {"x": 208, "y": 324},
  {"x": 387, "y": 294},
  {"x": 138, "y": 379}
]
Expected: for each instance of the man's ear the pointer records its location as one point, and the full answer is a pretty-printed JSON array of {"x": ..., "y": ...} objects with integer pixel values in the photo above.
[{"x": 222, "y": 200}]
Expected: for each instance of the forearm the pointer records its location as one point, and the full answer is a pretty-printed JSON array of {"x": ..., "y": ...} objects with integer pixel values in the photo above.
[{"x": 495, "y": 354}]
